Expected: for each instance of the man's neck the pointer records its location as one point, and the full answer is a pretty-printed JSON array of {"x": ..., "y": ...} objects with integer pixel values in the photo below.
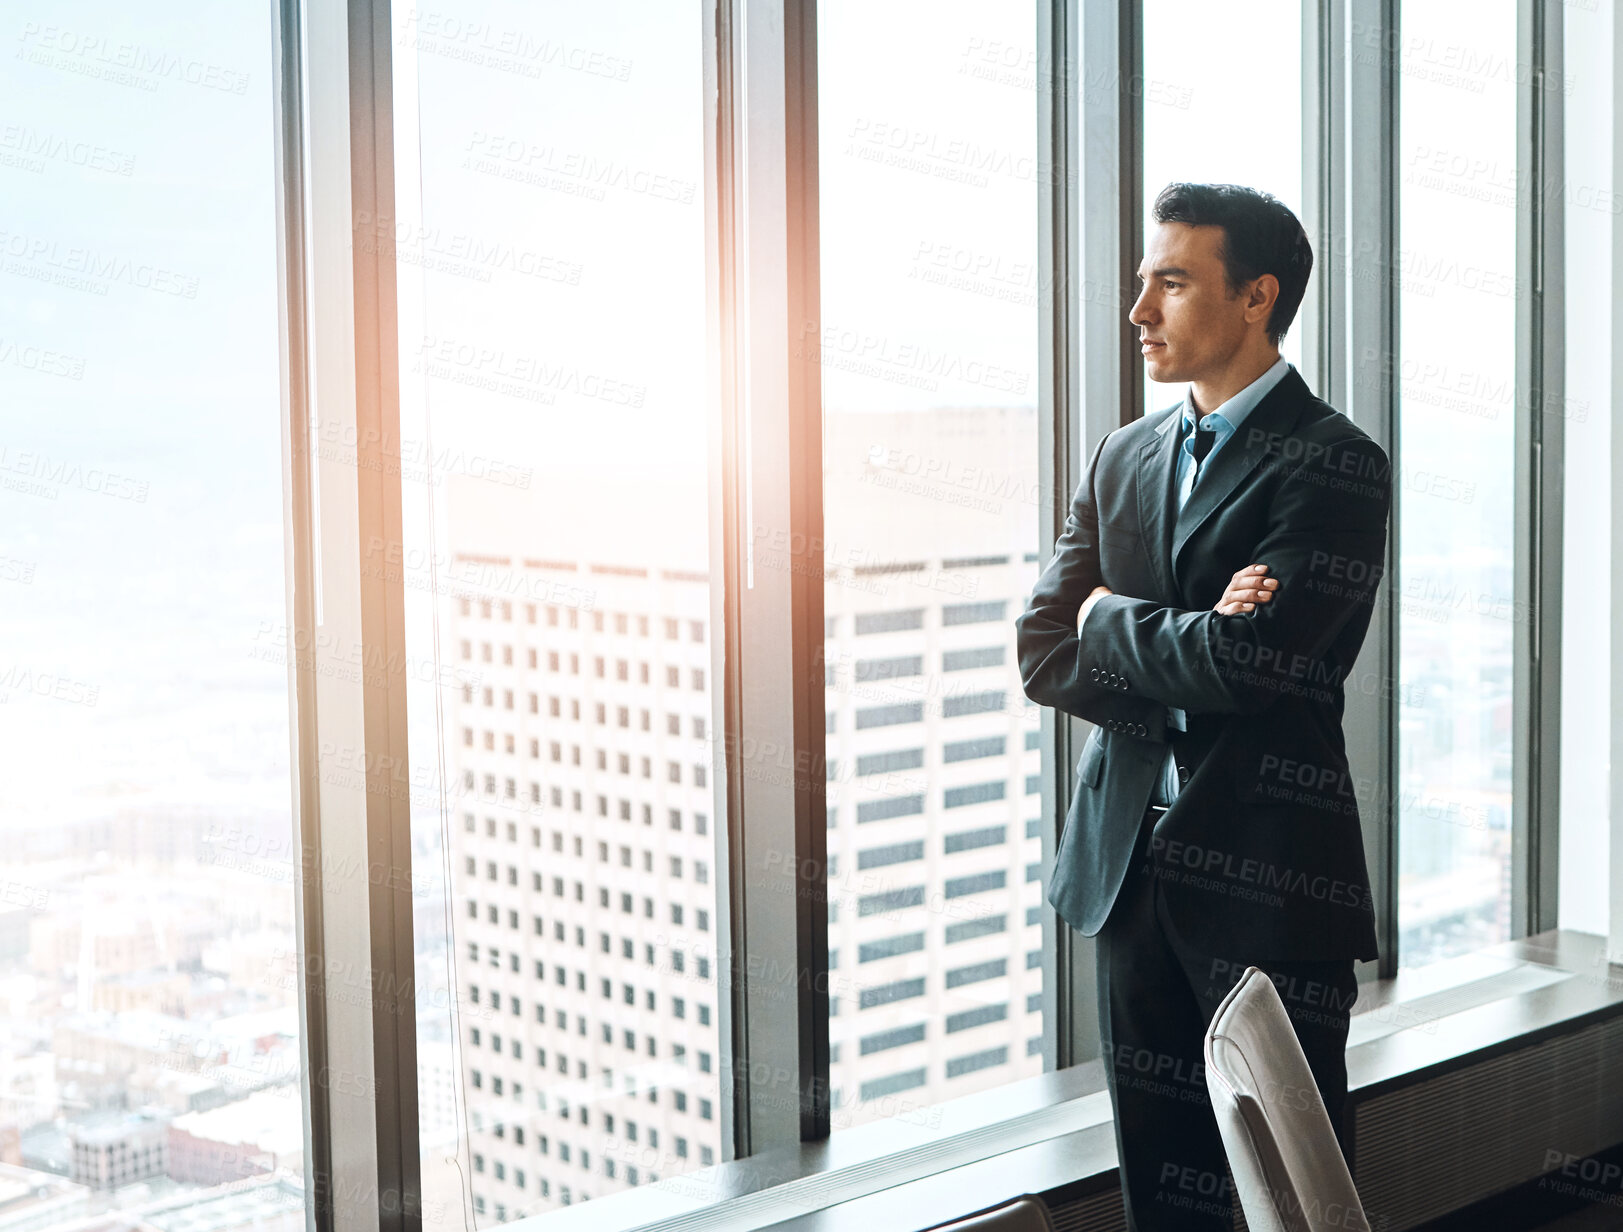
[{"x": 1208, "y": 393}]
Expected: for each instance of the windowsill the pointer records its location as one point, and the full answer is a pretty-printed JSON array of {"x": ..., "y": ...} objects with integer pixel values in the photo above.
[
  {"x": 1054, "y": 1131},
  {"x": 852, "y": 1163}
]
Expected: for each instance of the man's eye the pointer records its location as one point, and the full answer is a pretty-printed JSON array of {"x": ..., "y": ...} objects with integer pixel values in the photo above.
[{"x": 1172, "y": 284}]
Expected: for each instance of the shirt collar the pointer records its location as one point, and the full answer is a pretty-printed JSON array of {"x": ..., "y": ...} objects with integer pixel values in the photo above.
[{"x": 1236, "y": 408}]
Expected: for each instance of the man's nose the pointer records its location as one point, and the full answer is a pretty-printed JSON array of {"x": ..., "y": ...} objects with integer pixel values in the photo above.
[{"x": 1140, "y": 314}]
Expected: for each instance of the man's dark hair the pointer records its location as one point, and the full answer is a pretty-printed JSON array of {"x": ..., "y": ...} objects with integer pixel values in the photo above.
[{"x": 1260, "y": 236}]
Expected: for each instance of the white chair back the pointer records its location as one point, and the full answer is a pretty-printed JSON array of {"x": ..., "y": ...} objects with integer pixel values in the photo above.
[{"x": 1289, "y": 1173}]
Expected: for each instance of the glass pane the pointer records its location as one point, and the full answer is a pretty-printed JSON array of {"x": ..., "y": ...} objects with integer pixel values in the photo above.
[
  {"x": 929, "y": 191},
  {"x": 150, "y": 1056},
  {"x": 1199, "y": 127},
  {"x": 1457, "y": 308},
  {"x": 555, "y": 435}
]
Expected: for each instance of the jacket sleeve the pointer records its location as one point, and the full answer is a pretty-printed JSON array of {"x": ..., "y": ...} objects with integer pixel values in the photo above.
[
  {"x": 1052, "y": 667},
  {"x": 1325, "y": 542}
]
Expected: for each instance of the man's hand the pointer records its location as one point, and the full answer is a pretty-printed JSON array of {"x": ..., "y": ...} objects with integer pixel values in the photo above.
[
  {"x": 1246, "y": 589},
  {"x": 1099, "y": 592}
]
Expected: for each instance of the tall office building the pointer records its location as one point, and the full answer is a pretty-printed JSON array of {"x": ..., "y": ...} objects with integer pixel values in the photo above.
[
  {"x": 935, "y": 891},
  {"x": 583, "y": 883},
  {"x": 584, "y": 850}
]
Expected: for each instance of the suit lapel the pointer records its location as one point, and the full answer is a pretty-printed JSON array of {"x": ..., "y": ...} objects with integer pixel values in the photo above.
[
  {"x": 1157, "y": 501},
  {"x": 1260, "y": 436}
]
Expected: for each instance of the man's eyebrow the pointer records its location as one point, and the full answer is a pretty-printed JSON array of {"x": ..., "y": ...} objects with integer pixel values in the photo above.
[{"x": 1166, "y": 271}]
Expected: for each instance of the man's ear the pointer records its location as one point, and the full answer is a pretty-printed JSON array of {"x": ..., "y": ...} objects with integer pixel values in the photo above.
[{"x": 1264, "y": 293}]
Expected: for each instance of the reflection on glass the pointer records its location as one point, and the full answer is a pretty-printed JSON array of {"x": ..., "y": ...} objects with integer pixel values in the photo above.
[
  {"x": 1201, "y": 122},
  {"x": 149, "y": 1058},
  {"x": 929, "y": 180},
  {"x": 1457, "y": 307},
  {"x": 558, "y": 589}
]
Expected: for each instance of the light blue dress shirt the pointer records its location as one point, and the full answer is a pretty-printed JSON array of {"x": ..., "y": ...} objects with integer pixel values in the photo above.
[{"x": 1224, "y": 421}]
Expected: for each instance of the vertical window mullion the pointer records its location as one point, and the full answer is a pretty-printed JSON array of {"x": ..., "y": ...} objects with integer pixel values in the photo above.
[
  {"x": 1089, "y": 382},
  {"x": 1540, "y": 384},
  {"x": 771, "y": 429},
  {"x": 1366, "y": 265},
  {"x": 345, "y": 604}
]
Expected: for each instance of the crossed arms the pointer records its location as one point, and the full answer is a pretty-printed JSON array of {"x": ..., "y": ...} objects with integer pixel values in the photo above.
[{"x": 1325, "y": 543}]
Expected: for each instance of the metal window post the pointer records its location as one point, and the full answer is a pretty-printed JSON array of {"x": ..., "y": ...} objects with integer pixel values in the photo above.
[{"x": 342, "y": 518}]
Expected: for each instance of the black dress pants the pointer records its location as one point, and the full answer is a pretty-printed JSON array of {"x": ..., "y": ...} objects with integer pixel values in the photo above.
[{"x": 1157, "y": 994}]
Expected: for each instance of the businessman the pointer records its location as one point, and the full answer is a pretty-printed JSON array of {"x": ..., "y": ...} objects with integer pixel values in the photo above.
[{"x": 1202, "y": 609}]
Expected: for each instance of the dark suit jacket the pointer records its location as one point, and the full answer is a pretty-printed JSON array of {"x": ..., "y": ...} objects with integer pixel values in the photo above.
[{"x": 1261, "y": 852}]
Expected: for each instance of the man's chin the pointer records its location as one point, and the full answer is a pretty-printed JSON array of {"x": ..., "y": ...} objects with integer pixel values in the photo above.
[{"x": 1158, "y": 368}]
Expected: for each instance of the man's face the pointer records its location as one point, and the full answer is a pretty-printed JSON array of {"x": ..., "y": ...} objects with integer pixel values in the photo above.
[{"x": 1184, "y": 308}]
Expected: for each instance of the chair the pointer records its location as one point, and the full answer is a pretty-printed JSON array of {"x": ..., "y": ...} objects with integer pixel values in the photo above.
[
  {"x": 1023, "y": 1214},
  {"x": 1289, "y": 1173}
]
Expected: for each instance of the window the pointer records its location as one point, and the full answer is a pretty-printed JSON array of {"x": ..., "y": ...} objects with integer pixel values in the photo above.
[
  {"x": 969, "y": 660},
  {"x": 587, "y": 279},
  {"x": 895, "y": 853},
  {"x": 977, "y": 973},
  {"x": 896, "y": 1037},
  {"x": 975, "y": 793},
  {"x": 877, "y": 1088},
  {"x": 117, "y": 295},
  {"x": 971, "y": 750},
  {"x": 889, "y": 622},
  {"x": 1188, "y": 125},
  {"x": 887, "y": 901},
  {"x": 966, "y": 1020},
  {"x": 972, "y": 703},
  {"x": 978, "y": 883},
  {"x": 974, "y": 613},
  {"x": 892, "y": 490},
  {"x": 886, "y": 809},
  {"x": 890, "y": 763},
  {"x": 889, "y": 947},
  {"x": 968, "y": 930},
  {"x": 1454, "y": 519},
  {"x": 977, "y": 1061},
  {"x": 894, "y": 668},
  {"x": 888, "y": 716},
  {"x": 886, "y": 994}
]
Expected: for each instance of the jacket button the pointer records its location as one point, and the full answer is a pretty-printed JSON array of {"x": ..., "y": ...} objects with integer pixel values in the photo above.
[
  {"x": 1124, "y": 682},
  {"x": 1142, "y": 730},
  {"x": 1183, "y": 775},
  {"x": 1094, "y": 674},
  {"x": 1113, "y": 725}
]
